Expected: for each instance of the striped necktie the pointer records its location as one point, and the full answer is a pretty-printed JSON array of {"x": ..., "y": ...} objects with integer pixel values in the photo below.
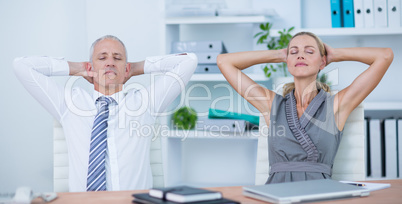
[{"x": 96, "y": 180}]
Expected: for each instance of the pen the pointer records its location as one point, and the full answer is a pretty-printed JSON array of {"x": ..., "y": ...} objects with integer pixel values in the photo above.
[{"x": 357, "y": 184}]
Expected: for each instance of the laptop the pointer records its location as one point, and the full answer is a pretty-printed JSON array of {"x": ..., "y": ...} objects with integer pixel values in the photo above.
[{"x": 304, "y": 191}]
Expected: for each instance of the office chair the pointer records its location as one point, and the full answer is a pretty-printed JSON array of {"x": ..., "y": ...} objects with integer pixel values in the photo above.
[
  {"x": 60, "y": 160},
  {"x": 350, "y": 161}
]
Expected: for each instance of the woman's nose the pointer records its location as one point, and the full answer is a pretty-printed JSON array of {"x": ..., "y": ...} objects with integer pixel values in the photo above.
[{"x": 300, "y": 57}]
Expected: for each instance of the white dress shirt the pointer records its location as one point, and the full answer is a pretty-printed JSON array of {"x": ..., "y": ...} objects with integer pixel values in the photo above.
[{"x": 128, "y": 145}]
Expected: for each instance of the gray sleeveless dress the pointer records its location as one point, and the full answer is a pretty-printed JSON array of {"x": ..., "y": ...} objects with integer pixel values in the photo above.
[{"x": 305, "y": 148}]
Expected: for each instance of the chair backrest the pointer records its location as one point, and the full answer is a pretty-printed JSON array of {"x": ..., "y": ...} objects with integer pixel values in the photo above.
[
  {"x": 60, "y": 160},
  {"x": 350, "y": 161}
]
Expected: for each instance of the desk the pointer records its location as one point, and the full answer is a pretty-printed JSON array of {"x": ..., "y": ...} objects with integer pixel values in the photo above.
[{"x": 389, "y": 195}]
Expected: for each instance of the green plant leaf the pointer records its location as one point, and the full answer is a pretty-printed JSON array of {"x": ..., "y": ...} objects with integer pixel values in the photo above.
[
  {"x": 269, "y": 74},
  {"x": 264, "y": 26},
  {"x": 262, "y": 38},
  {"x": 266, "y": 69},
  {"x": 256, "y": 35},
  {"x": 291, "y": 28},
  {"x": 274, "y": 43}
]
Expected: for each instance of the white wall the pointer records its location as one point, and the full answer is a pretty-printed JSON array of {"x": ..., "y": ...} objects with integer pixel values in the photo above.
[
  {"x": 57, "y": 28},
  {"x": 137, "y": 23},
  {"x": 42, "y": 27}
]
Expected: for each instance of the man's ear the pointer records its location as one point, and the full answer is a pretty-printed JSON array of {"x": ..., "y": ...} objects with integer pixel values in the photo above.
[
  {"x": 88, "y": 68},
  {"x": 128, "y": 69}
]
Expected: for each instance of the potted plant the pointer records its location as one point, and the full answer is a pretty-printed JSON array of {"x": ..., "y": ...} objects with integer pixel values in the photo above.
[
  {"x": 275, "y": 43},
  {"x": 185, "y": 118}
]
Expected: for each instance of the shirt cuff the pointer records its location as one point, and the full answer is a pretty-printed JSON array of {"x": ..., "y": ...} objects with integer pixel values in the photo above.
[
  {"x": 164, "y": 63},
  {"x": 46, "y": 65},
  {"x": 59, "y": 67}
]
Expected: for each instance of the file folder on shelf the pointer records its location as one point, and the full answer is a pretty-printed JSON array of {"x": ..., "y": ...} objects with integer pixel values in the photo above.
[
  {"x": 380, "y": 14},
  {"x": 375, "y": 148},
  {"x": 367, "y": 151},
  {"x": 216, "y": 113},
  {"x": 394, "y": 13},
  {"x": 221, "y": 125},
  {"x": 368, "y": 12},
  {"x": 347, "y": 13},
  {"x": 207, "y": 57},
  {"x": 198, "y": 46},
  {"x": 336, "y": 13},
  {"x": 207, "y": 68},
  {"x": 358, "y": 13},
  {"x": 400, "y": 147},
  {"x": 390, "y": 149}
]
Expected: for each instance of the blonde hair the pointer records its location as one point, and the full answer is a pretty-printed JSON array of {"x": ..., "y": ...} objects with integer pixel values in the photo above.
[{"x": 287, "y": 88}]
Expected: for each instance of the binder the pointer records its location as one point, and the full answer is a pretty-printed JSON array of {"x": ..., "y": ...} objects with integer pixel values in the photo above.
[
  {"x": 216, "y": 113},
  {"x": 380, "y": 14},
  {"x": 375, "y": 149},
  {"x": 207, "y": 69},
  {"x": 348, "y": 13},
  {"x": 358, "y": 13},
  {"x": 221, "y": 125},
  {"x": 394, "y": 13},
  {"x": 198, "y": 46},
  {"x": 390, "y": 149},
  {"x": 207, "y": 57},
  {"x": 400, "y": 147},
  {"x": 368, "y": 13},
  {"x": 367, "y": 147},
  {"x": 336, "y": 13}
]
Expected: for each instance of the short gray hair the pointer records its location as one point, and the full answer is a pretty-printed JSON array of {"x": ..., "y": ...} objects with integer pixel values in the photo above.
[{"x": 112, "y": 37}]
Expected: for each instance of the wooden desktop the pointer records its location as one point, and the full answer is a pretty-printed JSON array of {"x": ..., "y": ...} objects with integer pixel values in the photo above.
[{"x": 389, "y": 195}]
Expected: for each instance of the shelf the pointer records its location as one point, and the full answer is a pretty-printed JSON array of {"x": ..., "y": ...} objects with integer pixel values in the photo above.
[
  {"x": 186, "y": 134},
  {"x": 220, "y": 77},
  {"x": 216, "y": 20},
  {"x": 329, "y": 32},
  {"x": 381, "y": 106},
  {"x": 381, "y": 110}
]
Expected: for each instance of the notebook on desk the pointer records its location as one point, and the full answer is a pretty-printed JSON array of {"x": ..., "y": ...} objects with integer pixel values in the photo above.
[{"x": 304, "y": 191}]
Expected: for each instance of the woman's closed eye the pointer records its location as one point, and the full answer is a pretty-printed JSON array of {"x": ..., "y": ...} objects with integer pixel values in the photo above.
[
  {"x": 292, "y": 52},
  {"x": 310, "y": 51}
]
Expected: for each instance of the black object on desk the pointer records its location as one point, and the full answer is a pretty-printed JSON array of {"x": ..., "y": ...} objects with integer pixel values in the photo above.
[{"x": 145, "y": 198}]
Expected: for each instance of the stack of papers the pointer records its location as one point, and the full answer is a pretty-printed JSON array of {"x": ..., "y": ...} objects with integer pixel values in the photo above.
[{"x": 369, "y": 186}]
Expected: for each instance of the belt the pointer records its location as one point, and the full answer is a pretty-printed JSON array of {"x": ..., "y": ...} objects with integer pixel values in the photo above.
[{"x": 301, "y": 166}]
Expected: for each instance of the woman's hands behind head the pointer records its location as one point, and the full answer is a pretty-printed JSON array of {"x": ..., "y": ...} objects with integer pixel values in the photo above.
[
  {"x": 284, "y": 54},
  {"x": 330, "y": 53}
]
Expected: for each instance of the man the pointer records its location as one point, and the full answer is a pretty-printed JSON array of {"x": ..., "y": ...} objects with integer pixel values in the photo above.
[{"x": 104, "y": 153}]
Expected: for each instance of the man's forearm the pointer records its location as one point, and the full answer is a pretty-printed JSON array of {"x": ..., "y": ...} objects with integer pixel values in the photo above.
[
  {"x": 77, "y": 68},
  {"x": 137, "y": 68}
]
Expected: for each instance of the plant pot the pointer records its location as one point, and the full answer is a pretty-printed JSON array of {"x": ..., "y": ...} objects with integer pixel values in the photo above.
[{"x": 279, "y": 82}]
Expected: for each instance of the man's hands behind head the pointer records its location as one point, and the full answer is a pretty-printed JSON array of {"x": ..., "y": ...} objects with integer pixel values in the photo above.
[{"x": 80, "y": 69}]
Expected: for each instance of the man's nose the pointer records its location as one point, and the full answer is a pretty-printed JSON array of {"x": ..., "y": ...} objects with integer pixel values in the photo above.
[{"x": 110, "y": 62}]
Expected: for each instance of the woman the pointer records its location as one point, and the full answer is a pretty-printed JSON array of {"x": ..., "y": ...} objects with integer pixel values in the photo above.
[{"x": 306, "y": 123}]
